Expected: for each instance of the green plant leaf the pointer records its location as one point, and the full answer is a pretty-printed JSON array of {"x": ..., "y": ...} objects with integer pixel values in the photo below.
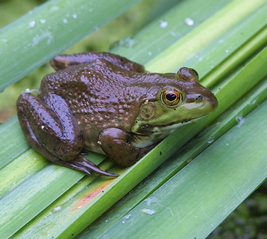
[
  {"x": 12, "y": 141},
  {"x": 50, "y": 28}
]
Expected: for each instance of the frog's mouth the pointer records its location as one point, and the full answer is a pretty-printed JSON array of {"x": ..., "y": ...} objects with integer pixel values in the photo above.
[
  {"x": 150, "y": 134},
  {"x": 159, "y": 129},
  {"x": 154, "y": 134},
  {"x": 147, "y": 129}
]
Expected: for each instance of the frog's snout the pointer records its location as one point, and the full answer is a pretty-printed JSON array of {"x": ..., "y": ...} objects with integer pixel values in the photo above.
[
  {"x": 211, "y": 101},
  {"x": 214, "y": 101}
]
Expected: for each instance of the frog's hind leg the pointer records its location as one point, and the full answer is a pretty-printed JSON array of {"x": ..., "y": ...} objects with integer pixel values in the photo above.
[
  {"x": 62, "y": 61},
  {"x": 79, "y": 163},
  {"x": 41, "y": 128}
]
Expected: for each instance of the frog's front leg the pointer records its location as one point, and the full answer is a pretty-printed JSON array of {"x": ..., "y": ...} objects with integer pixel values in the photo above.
[
  {"x": 51, "y": 129},
  {"x": 63, "y": 61},
  {"x": 118, "y": 146}
]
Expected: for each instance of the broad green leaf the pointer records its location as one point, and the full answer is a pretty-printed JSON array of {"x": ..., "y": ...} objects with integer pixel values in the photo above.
[
  {"x": 227, "y": 18},
  {"x": 12, "y": 141},
  {"x": 50, "y": 28},
  {"x": 154, "y": 38}
]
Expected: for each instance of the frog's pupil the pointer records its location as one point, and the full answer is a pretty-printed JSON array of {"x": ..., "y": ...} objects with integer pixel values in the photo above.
[{"x": 171, "y": 97}]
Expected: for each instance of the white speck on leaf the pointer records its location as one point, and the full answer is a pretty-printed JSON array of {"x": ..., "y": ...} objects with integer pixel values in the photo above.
[
  {"x": 127, "y": 216},
  {"x": 151, "y": 200},
  {"x": 163, "y": 24},
  {"x": 27, "y": 91},
  {"x": 240, "y": 120},
  {"x": 127, "y": 42},
  {"x": 148, "y": 211},
  {"x": 189, "y": 21},
  {"x": 74, "y": 16},
  {"x": 42, "y": 21},
  {"x": 38, "y": 38},
  {"x": 56, "y": 209},
  {"x": 65, "y": 20},
  {"x": 210, "y": 140},
  {"x": 31, "y": 24}
]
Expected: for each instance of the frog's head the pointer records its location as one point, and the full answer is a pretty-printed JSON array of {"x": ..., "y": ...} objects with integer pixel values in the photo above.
[{"x": 176, "y": 99}]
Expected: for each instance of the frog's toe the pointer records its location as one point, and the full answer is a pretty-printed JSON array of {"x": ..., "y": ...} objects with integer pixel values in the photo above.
[
  {"x": 84, "y": 153},
  {"x": 82, "y": 164}
]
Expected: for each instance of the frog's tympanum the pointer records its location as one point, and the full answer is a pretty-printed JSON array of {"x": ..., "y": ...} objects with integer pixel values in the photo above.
[{"x": 108, "y": 104}]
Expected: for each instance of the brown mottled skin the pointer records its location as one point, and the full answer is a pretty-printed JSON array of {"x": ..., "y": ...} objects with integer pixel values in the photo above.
[{"x": 93, "y": 102}]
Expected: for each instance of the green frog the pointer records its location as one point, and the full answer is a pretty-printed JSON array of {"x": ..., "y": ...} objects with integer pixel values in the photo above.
[{"x": 108, "y": 104}]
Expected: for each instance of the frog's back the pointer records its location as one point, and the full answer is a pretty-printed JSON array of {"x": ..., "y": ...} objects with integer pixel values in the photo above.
[
  {"x": 99, "y": 95},
  {"x": 91, "y": 79}
]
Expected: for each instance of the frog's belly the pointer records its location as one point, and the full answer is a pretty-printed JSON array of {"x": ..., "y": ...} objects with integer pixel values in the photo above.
[
  {"x": 91, "y": 146},
  {"x": 91, "y": 141},
  {"x": 90, "y": 135}
]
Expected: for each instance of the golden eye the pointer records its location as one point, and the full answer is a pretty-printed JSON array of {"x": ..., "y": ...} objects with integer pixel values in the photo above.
[{"x": 171, "y": 97}]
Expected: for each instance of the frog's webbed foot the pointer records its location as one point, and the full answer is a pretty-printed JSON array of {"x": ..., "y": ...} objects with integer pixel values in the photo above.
[
  {"x": 118, "y": 146},
  {"x": 62, "y": 61},
  {"x": 84, "y": 165},
  {"x": 87, "y": 166},
  {"x": 79, "y": 163},
  {"x": 84, "y": 152}
]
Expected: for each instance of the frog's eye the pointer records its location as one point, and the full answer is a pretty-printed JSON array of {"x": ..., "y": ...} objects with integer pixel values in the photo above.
[{"x": 171, "y": 97}]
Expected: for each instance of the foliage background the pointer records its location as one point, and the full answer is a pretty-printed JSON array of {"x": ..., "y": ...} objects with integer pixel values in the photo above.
[{"x": 247, "y": 221}]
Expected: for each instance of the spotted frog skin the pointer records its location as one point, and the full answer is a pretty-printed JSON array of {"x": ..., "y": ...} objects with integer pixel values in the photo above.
[{"x": 108, "y": 104}]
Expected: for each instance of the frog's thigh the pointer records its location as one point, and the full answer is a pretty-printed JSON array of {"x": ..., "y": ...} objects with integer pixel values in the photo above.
[
  {"x": 117, "y": 145},
  {"x": 46, "y": 130}
]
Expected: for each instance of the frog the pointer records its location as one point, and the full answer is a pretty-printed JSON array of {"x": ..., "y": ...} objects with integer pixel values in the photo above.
[{"x": 108, "y": 104}]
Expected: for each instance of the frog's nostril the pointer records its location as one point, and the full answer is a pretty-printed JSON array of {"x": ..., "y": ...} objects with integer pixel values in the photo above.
[{"x": 199, "y": 97}]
